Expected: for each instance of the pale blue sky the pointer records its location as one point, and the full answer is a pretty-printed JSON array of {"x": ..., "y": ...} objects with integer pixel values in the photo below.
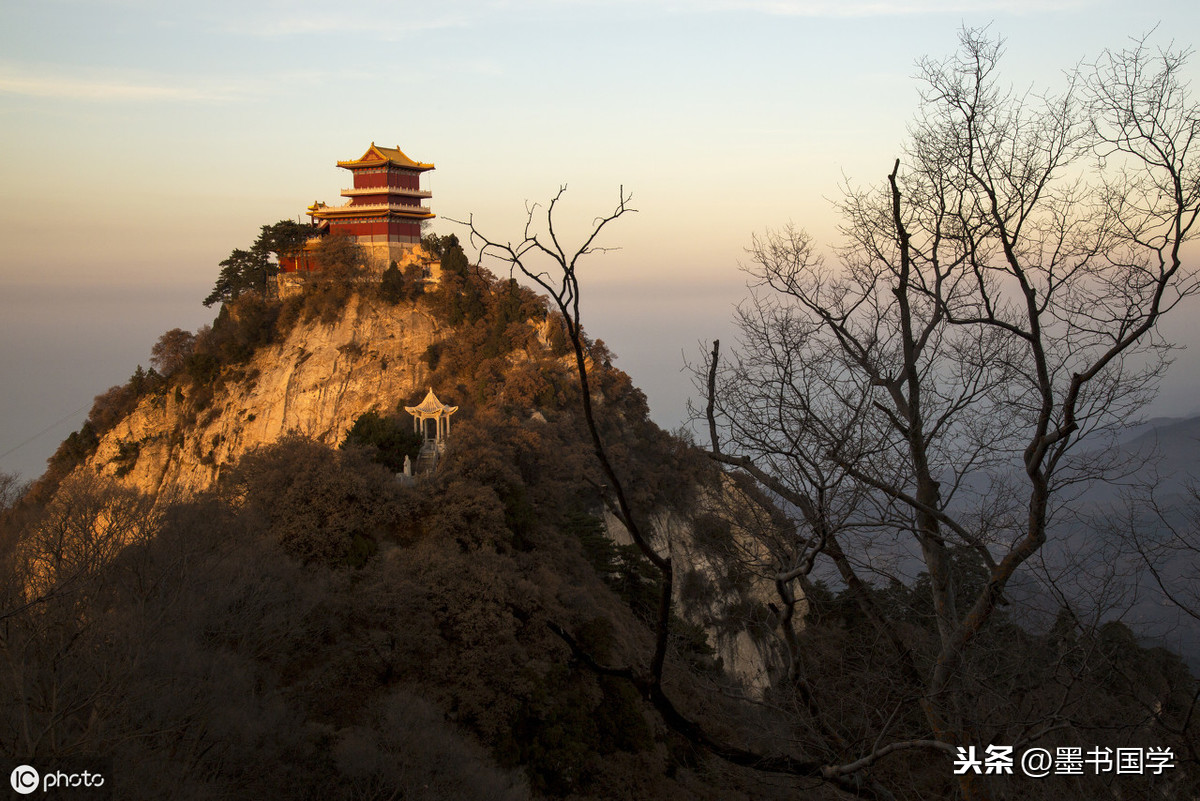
[{"x": 142, "y": 141}]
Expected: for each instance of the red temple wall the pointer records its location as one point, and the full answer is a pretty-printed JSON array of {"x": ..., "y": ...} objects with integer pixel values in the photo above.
[
  {"x": 301, "y": 262},
  {"x": 364, "y": 180},
  {"x": 376, "y": 227},
  {"x": 404, "y": 229},
  {"x": 367, "y": 200},
  {"x": 360, "y": 228},
  {"x": 401, "y": 179},
  {"x": 404, "y": 180}
]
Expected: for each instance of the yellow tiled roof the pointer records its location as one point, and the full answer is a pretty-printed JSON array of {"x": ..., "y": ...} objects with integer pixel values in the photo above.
[{"x": 376, "y": 155}]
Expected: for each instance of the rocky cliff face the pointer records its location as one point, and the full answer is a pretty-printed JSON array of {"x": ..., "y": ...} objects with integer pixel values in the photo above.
[
  {"x": 315, "y": 382},
  {"x": 320, "y": 377},
  {"x": 724, "y": 589}
]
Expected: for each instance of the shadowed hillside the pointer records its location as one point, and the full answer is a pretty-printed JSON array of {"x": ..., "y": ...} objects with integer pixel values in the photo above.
[{"x": 221, "y": 584}]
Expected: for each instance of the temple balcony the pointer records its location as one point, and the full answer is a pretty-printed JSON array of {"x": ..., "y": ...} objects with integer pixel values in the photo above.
[
  {"x": 356, "y": 208},
  {"x": 390, "y": 190}
]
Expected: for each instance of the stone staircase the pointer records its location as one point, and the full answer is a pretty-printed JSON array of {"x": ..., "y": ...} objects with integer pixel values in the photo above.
[{"x": 428, "y": 458}]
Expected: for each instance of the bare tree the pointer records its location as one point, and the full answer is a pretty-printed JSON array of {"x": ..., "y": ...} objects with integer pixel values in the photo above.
[
  {"x": 541, "y": 257},
  {"x": 59, "y": 570},
  {"x": 993, "y": 306},
  {"x": 919, "y": 403},
  {"x": 11, "y": 490},
  {"x": 1171, "y": 558},
  {"x": 560, "y": 279}
]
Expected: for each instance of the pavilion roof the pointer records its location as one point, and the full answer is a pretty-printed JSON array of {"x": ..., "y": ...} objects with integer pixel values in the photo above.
[
  {"x": 377, "y": 156},
  {"x": 431, "y": 406}
]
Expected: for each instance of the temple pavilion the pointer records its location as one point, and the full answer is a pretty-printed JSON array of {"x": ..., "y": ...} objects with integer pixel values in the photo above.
[
  {"x": 383, "y": 210},
  {"x": 431, "y": 419}
]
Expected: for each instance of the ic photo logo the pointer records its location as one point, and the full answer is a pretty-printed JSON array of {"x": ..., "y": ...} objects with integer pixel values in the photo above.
[
  {"x": 24, "y": 779},
  {"x": 79, "y": 777}
]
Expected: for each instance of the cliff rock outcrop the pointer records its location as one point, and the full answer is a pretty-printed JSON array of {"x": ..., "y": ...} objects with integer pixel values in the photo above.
[
  {"x": 318, "y": 377},
  {"x": 314, "y": 382}
]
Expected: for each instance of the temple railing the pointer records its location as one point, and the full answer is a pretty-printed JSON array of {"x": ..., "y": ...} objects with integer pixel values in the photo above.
[
  {"x": 380, "y": 190},
  {"x": 397, "y": 207}
]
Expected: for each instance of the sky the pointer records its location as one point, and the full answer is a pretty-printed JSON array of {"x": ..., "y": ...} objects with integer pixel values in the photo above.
[{"x": 143, "y": 141}]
